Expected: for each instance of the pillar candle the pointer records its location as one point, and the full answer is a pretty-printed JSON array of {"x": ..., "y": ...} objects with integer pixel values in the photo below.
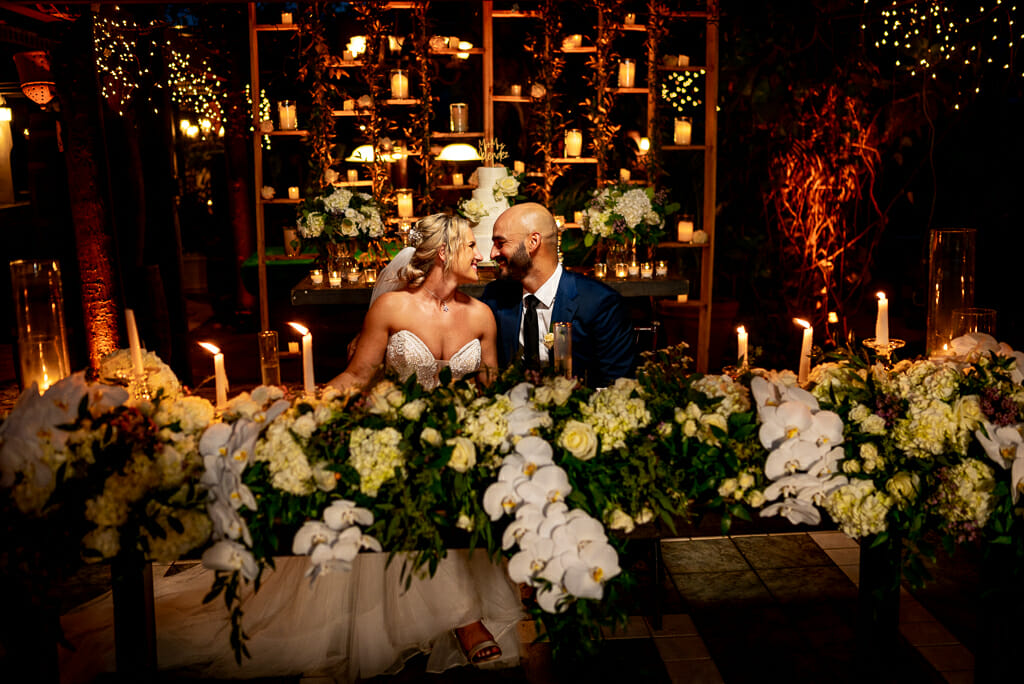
[
  {"x": 515, "y": 90},
  {"x": 404, "y": 198},
  {"x": 624, "y": 175},
  {"x": 456, "y": 179},
  {"x": 293, "y": 192},
  {"x": 399, "y": 85},
  {"x": 220, "y": 377},
  {"x": 627, "y": 73},
  {"x": 741, "y": 346},
  {"x": 287, "y": 120},
  {"x": 882, "y": 322},
  {"x": 518, "y": 167},
  {"x": 458, "y": 117},
  {"x": 286, "y": 17},
  {"x": 352, "y": 175},
  {"x": 577, "y": 218},
  {"x": 683, "y": 60},
  {"x": 682, "y": 133},
  {"x": 684, "y": 231},
  {"x": 573, "y": 142},
  {"x": 805, "y": 351},
  {"x": 630, "y": 19},
  {"x": 308, "y": 384},
  {"x": 134, "y": 347}
]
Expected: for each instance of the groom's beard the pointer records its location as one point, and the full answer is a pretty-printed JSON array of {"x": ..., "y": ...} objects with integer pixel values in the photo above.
[{"x": 517, "y": 266}]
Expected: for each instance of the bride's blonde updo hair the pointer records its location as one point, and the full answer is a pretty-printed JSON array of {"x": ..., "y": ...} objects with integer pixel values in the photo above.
[{"x": 427, "y": 236}]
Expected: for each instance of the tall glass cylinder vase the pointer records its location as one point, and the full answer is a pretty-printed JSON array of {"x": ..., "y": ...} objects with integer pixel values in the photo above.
[
  {"x": 950, "y": 283},
  {"x": 39, "y": 309}
]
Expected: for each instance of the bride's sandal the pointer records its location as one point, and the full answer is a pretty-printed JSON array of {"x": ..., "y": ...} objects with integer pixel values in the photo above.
[{"x": 483, "y": 651}]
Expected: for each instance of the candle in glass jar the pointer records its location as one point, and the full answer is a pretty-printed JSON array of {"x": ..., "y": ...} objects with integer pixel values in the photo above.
[
  {"x": 600, "y": 270},
  {"x": 352, "y": 175},
  {"x": 882, "y": 322},
  {"x": 334, "y": 278},
  {"x": 316, "y": 276},
  {"x": 624, "y": 175},
  {"x": 805, "y": 351},
  {"x": 741, "y": 346},
  {"x": 370, "y": 276},
  {"x": 286, "y": 119},
  {"x": 634, "y": 269},
  {"x": 515, "y": 90},
  {"x": 627, "y": 73},
  {"x": 347, "y": 56},
  {"x": 353, "y": 274},
  {"x": 573, "y": 142},
  {"x": 661, "y": 269},
  {"x": 293, "y": 192},
  {"x": 621, "y": 270},
  {"x": 308, "y": 384},
  {"x": 518, "y": 167},
  {"x": 577, "y": 218},
  {"x": 459, "y": 117},
  {"x": 404, "y": 198},
  {"x": 456, "y": 179},
  {"x": 399, "y": 84},
  {"x": 630, "y": 19},
  {"x": 684, "y": 231},
  {"x": 647, "y": 270},
  {"x": 683, "y": 60},
  {"x": 682, "y": 133},
  {"x": 286, "y": 17}
]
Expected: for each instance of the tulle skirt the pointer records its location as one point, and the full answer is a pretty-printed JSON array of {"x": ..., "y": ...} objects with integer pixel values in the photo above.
[{"x": 343, "y": 625}]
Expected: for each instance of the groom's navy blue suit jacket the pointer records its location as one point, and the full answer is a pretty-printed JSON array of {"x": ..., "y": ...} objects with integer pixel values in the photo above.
[{"x": 602, "y": 335}]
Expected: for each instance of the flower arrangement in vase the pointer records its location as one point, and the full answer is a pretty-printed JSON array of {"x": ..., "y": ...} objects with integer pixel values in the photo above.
[
  {"x": 339, "y": 217},
  {"x": 627, "y": 214}
]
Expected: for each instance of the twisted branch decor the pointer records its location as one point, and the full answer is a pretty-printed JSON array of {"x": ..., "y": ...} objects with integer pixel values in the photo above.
[
  {"x": 598, "y": 109},
  {"x": 316, "y": 58},
  {"x": 818, "y": 180},
  {"x": 657, "y": 31},
  {"x": 427, "y": 70},
  {"x": 374, "y": 72},
  {"x": 546, "y": 121}
]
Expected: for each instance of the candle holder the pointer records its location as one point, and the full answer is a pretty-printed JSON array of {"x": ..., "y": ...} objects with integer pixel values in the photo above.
[
  {"x": 682, "y": 131},
  {"x": 399, "y": 84},
  {"x": 661, "y": 269},
  {"x": 622, "y": 271},
  {"x": 370, "y": 276},
  {"x": 316, "y": 276},
  {"x": 459, "y": 117},
  {"x": 627, "y": 73},
  {"x": 573, "y": 142},
  {"x": 884, "y": 352},
  {"x": 334, "y": 279},
  {"x": 647, "y": 270},
  {"x": 404, "y": 199},
  {"x": 562, "y": 348},
  {"x": 286, "y": 118},
  {"x": 39, "y": 309},
  {"x": 354, "y": 274},
  {"x": 600, "y": 270},
  {"x": 270, "y": 362}
]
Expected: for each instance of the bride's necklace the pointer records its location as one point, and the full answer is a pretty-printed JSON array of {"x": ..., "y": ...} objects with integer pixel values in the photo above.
[{"x": 443, "y": 302}]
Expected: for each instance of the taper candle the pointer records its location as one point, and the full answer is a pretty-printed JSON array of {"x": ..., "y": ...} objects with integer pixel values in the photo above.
[
  {"x": 805, "y": 351},
  {"x": 882, "y": 322},
  {"x": 133, "y": 344},
  {"x": 220, "y": 378},
  {"x": 741, "y": 346},
  {"x": 308, "y": 384}
]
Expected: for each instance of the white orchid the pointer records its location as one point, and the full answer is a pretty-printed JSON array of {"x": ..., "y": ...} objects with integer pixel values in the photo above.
[
  {"x": 525, "y": 419},
  {"x": 1004, "y": 445},
  {"x": 230, "y": 556},
  {"x": 793, "y": 510},
  {"x": 524, "y": 528},
  {"x": 791, "y": 457},
  {"x": 525, "y": 566},
  {"x": 313, "y": 533},
  {"x": 227, "y": 523},
  {"x": 579, "y": 533},
  {"x": 783, "y": 423},
  {"x": 597, "y": 564},
  {"x": 501, "y": 498},
  {"x": 342, "y": 514},
  {"x": 549, "y": 483}
]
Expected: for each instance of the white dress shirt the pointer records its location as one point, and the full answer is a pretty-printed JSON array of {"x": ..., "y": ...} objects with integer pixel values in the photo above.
[{"x": 545, "y": 295}]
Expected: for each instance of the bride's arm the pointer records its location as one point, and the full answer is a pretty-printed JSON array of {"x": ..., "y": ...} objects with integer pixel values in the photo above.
[
  {"x": 372, "y": 342},
  {"x": 488, "y": 347}
]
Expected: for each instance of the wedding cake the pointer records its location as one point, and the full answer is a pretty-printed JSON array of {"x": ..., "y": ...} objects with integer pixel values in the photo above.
[{"x": 487, "y": 177}]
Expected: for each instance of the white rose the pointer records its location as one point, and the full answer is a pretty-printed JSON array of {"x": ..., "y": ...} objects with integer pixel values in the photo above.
[
  {"x": 474, "y": 210},
  {"x": 755, "y": 498},
  {"x": 431, "y": 436},
  {"x": 413, "y": 410},
  {"x": 728, "y": 487},
  {"x": 746, "y": 480},
  {"x": 506, "y": 187},
  {"x": 463, "y": 455},
  {"x": 618, "y": 520},
  {"x": 579, "y": 439},
  {"x": 464, "y": 522}
]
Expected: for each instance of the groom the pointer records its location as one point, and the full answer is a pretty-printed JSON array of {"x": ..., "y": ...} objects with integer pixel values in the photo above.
[{"x": 535, "y": 291}]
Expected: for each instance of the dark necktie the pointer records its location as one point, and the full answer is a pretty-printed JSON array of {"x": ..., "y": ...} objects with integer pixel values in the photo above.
[{"x": 531, "y": 337}]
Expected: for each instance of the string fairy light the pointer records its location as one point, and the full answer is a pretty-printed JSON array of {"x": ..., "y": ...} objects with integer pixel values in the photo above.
[
  {"x": 681, "y": 90},
  {"x": 958, "y": 39}
]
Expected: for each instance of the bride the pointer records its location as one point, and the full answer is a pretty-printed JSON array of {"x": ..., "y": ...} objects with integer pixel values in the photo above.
[
  {"x": 426, "y": 323},
  {"x": 362, "y": 623}
]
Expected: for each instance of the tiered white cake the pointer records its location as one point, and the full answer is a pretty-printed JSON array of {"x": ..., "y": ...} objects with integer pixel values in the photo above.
[{"x": 486, "y": 177}]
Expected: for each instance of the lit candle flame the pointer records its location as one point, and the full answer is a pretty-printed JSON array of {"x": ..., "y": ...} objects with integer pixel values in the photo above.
[
  {"x": 299, "y": 328},
  {"x": 741, "y": 329},
  {"x": 212, "y": 348},
  {"x": 881, "y": 296},
  {"x": 800, "y": 321}
]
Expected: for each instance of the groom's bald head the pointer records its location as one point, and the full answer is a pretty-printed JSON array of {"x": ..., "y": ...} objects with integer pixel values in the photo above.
[{"x": 526, "y": 243}]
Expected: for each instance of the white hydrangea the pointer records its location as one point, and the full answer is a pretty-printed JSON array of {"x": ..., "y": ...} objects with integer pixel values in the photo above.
[
  {"x": 615, "y": 413},
  {"x": 858, "y": 508},
  {"x": 337, "y": 202},
  {"x": 312, "y": 226},
  {"x": 633, "y": 206},
  {"x": 375, "y": 454}
]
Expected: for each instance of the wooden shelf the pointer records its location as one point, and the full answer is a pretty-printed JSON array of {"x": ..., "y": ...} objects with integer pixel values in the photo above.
[
  {"x": 403, "y": 102},
  {"x": 630, "y": 91},
  {"x": 277, "y": 133},
  {"x": 681, "y": 148},
  {"x": 579, "y": 50},
  {"x": 283, "y": 200},
  {"x": 464, "y": 186},
  {"x": 353, "y": 184},
  {"x": 464, "y": 135},
  {"x": 351, "y": 112},
  {"x": 260, "y": 28},
  {"x": 693, "y": 14},
  {"x": 630, "y": 27},
  {"x": 511, "y": 98},
  {"x": 698, "y": 69},
  {"x": 514, "y": 14},
  {"x": 574, "y": 160},
  {"x": 456, "y": 51},
  {"x": 683, "y": 245}
]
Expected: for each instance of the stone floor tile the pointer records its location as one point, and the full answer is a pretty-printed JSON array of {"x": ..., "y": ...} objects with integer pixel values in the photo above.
[
  {"x": 702, "y": 555},
  {"x": 953, "y": 677},
  {"x": 945, "y": 658},
  {"x": 844, "y": 555},
  {"x": 833, "y": 540},
  {"x": 852, "y": 573},
  {"x": 807, "y": 584},
  {"x": 782, "y": 551},
  {"x": 927, "y": 634},
  {"x": 681, "y": 648},
  {"x": 693, "y": 672},
  {"x": 912, "y": 611},
  {"x": 714, "y": 588},
  {"x": 636, "y": 628},
  {"x": 674, "y": 625}
]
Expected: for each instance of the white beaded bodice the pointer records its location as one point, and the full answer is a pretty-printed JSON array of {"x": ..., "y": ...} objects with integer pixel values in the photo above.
[{"x": 408, "y": 354}]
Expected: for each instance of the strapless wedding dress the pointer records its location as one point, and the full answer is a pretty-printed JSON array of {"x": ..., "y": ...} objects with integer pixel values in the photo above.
[{"x": 408, "y": 354}]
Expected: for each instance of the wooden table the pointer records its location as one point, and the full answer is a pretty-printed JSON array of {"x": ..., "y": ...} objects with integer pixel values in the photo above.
[{"x": 306, "y": 293}]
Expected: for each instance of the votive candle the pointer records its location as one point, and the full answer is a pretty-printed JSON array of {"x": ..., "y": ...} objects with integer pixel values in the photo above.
[
  {"x": 352, "y": 175},
  {"x": 333, "y": 279},
  {"x": 682, "y": 132},
  {"x": 515, "y": 90},
  {"x": 647, "y": 270},
  {"x": 370, "y": 276},
  {"x": 316, "y": 276},
  {"x": 456, "y": 179},
  {"x": 573, "y": 142},
  {"x": 518, "y": 167},
  {"x": 293, "y": 192},
  {"x": 684, "y": 231},
  {"x": 624, "y": 175},
  {"x": 621, "y": 270},
  {"x": 286, "y": 17},
  {"x": 661, "y": 269},
  {"x": 634, "y": 269},
  {"x": 353, "y": 275},
  {"x": 577, "y": 218},
  {"x": 630, "y": 19},
  {"x": 600, "y": 270}
]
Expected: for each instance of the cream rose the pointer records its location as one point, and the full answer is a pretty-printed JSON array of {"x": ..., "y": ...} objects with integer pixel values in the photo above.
[
  {"x": 463, "y": 455},
  {"x": 579, "y": 439},
  {"x": 431, "y": 436},
  {"x": 506, "y": 187}
]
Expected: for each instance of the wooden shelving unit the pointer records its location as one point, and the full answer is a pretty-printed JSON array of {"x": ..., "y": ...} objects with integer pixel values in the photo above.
[{"x": 486, "y": 53}]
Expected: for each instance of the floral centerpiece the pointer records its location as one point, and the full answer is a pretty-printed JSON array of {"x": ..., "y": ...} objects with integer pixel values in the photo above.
[
  {"x": 341, "y": 217},
  {"x": 627, "y": 214}
]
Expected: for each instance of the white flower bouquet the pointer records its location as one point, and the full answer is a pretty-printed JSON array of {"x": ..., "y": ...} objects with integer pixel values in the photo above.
[
  {"x": 627, "y": 213},
  {"x": 339, "y": 215}
]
